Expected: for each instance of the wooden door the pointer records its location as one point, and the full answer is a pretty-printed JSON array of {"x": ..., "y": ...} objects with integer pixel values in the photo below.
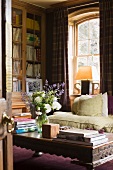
[
  {"x": 6, "y": 149},
  {"x": 6, "y": 127}
]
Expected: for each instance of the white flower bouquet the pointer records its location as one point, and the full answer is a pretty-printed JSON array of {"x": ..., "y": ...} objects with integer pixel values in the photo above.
[{"x": 46, "y": 100}]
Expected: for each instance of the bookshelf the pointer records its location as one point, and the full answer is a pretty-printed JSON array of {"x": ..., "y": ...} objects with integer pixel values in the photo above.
[
  {"x": 28, "y": 59},
  {"x": 33, "y": 47},
  {"x": 17, "y": 51}
]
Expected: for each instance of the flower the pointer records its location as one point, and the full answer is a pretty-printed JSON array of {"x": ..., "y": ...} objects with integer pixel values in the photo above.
[
  {"x": 56, "y": 105},
  {"x": 47, "y": 107},
  {"x": 46, "y": 100}
]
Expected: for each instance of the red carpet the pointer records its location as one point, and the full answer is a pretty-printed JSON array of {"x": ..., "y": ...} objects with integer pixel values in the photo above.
[{"x": 23, "y": 160}]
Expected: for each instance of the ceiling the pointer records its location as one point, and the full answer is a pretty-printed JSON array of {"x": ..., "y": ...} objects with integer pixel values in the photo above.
[{"x": 44, "y": 3}]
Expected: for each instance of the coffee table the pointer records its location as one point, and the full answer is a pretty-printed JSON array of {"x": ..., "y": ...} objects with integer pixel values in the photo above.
[{"x": 88, "y": 156}]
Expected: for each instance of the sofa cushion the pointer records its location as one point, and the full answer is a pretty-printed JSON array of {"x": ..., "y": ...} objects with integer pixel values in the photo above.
[
  {"x": 105, "y": 105},
  {"x": 91, "y": 106},
  {"x": 104, "y": 100},
  {"x": 76, "y": 102}
]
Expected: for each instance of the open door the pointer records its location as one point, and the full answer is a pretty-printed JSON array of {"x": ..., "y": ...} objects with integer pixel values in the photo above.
[
  {"x": 6, "y": 122},
  {"x": 6, "y": 127}
]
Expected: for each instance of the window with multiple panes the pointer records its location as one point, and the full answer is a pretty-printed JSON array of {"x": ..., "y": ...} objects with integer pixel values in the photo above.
[
  {"x": 88, "y": 43},
  {"x": 83, "y": 47}
]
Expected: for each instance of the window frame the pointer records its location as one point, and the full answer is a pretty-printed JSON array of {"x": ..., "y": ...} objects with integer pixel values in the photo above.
[{"x": 75, "y": 19}]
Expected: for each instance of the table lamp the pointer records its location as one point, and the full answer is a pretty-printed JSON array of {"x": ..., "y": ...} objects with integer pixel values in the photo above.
[{"x": 86, "y": 74}]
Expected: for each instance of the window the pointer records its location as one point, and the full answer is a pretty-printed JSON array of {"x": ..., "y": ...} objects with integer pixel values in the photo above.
[
  {"x": 83, "y": 45},
  {"x": 88, "y": 43}
]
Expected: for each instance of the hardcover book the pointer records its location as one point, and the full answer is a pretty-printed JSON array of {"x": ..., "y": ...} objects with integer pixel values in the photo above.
[
  {"x": 22, "y": 115},
  {"x": 94, "y": 143},
  {"x": 94, "y": 137},
  {"x": 78, "y": 132},
  {"x": 19, "y": 121},
  {"x": 24, "y": 130}
]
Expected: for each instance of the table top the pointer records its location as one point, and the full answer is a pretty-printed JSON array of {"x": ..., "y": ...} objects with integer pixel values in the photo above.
[{"x": 38, "y": 136}]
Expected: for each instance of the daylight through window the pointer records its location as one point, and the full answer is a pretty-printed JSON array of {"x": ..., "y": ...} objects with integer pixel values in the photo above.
[{"x": 83, "y": 48}]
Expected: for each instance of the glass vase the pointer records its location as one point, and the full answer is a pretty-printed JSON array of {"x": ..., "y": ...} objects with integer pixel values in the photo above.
[{"x": 40, "y": 120}]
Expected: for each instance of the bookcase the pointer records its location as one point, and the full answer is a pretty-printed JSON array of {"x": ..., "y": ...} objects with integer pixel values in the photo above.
[
  {"x": 28, "y": 60},
  {"x": 33, "y": 38},
  {"x": 17, "y": 59}
]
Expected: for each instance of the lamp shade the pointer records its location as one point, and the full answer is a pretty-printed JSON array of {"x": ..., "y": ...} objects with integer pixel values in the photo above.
[{"x": 87, "y": 73}]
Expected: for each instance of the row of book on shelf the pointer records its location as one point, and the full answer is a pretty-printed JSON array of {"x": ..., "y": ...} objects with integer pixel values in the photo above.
[
  {"x": 16, "y": 84},
  {"x": 16, "y": 51},
  {"x": 16, "y": 67},
  {"x": 33, "y": 53},
  {"x": 82, "y": 136},
  {"x": 31, "y": 39},
  {"x": 33, "y": 24},
  {"x": 16, "y": 18},
  {"x": 17, "y": 32},
  {"x": 33, "y": 70}
]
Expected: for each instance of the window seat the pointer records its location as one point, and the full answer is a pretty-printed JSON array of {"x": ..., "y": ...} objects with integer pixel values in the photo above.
[{"x": 84, "y": 121}]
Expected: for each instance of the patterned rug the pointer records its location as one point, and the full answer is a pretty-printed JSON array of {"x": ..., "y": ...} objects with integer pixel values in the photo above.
[{"x": 24, "y": 160}]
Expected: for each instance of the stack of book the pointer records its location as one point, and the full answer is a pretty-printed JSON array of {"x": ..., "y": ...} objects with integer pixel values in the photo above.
[
  {"x": 82, "y": 136},
  {"x": 21, "y": 115},
  {"x": 23, "y": 125}
]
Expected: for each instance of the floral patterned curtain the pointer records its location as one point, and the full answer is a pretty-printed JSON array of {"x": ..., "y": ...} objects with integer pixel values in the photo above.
[{"x": 106, "y": 46}]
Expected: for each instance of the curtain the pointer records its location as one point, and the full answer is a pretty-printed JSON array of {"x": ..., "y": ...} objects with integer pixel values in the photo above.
[
  {"x": 106, "y": 46},
  {"x": 59, "y": 68}
]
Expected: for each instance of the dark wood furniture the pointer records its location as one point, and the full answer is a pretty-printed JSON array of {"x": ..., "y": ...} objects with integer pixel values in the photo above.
[{"x": 86, "y": 155}]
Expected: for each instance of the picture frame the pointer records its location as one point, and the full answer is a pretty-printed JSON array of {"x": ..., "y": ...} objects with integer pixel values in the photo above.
[{"x": 33, "y": 85}]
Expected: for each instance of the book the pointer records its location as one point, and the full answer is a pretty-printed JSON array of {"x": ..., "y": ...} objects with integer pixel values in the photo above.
[
  {"x": 17, "y": 34},
  {"x": 20, "y": 131},
  {"x": 14, "y": 17},
  {"x": 22, "y": 115},
  {"x": 94, "y": 143},
  {"x": 24, "y": 130},
  {"x": 37, "y": 70},
  {"x": 29, "y": 70},
  {"x": 71, "y": 137},
  {"x": 78, "y": 132},
  {"x": 94, "y": 137},
  {"x": 30, "y": 52},
  {"x": 16, "y": 67},
  {"x": 21, "y": 126},
  {"x": 20, "y": 121},
  {"x": 15, "y": 84},
  {"x": 89, "y": 138},
  {"x": 16, "y": 51},
  {"x": 38, "y": 55}
]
